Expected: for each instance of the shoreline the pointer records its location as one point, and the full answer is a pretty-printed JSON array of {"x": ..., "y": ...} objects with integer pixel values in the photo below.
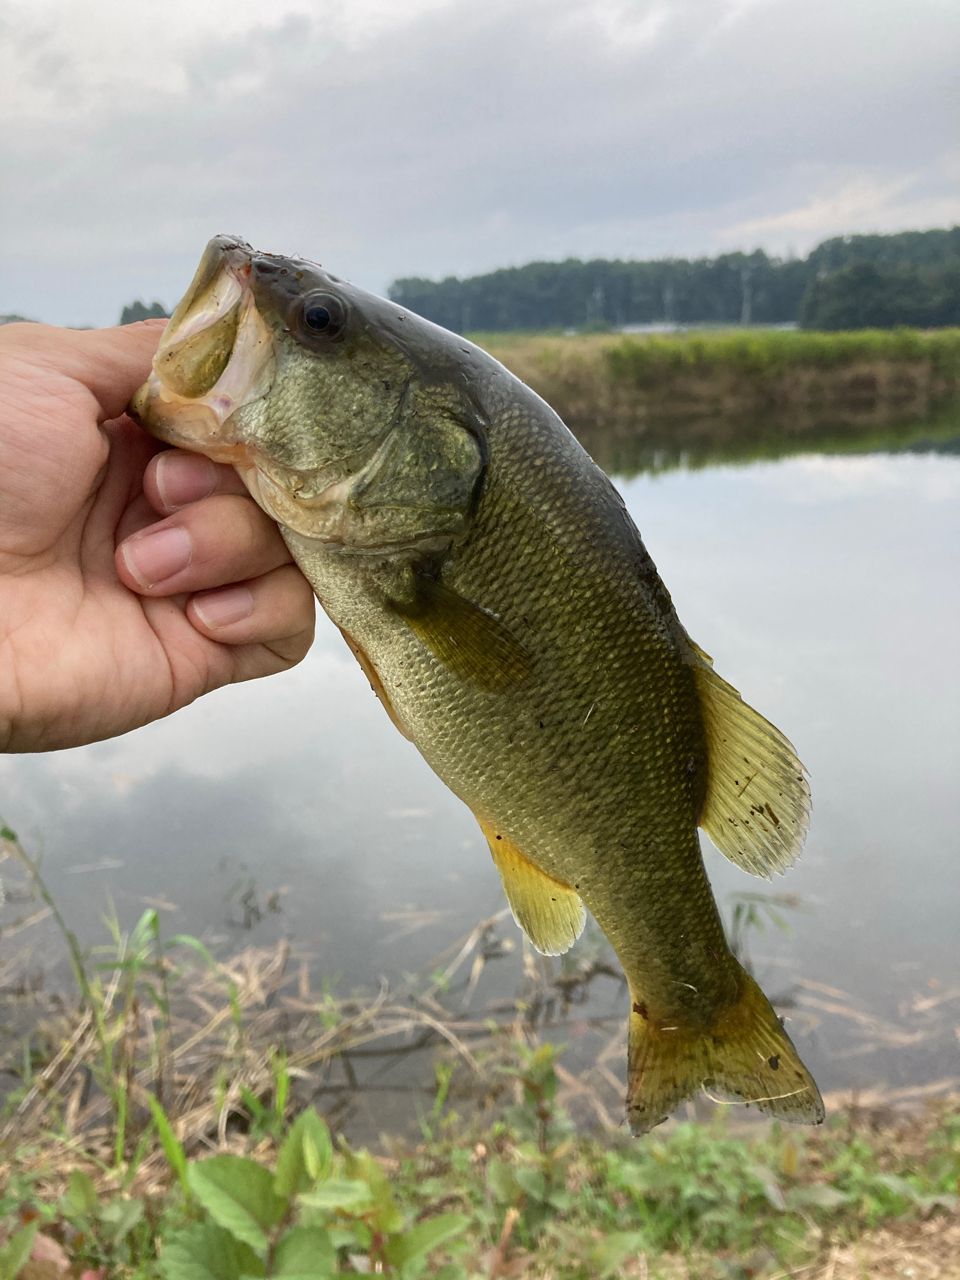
[{"x": 660, "y": 402}]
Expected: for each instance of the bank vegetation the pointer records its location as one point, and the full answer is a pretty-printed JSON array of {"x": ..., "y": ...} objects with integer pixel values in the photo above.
[
  {"x": 641, "y": 402},
  {"x": 182, "y": 1118}
]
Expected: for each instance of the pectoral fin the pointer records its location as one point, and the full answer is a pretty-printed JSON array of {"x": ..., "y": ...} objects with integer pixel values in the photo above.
[
  {"x": 548, "y": 911},
  {"x": 757, "y": 807},
  {"x": 467, "y": 639}
]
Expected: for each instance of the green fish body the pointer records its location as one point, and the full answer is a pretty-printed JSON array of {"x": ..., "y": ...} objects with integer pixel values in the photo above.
[{"x": 489, "y": 580}]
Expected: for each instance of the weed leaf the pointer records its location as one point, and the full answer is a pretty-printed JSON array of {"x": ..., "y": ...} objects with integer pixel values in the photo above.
[
  {"x": 207, "y": 1252},
  {"x": 238, "y": 1194},
  {"x": 171, "y": 1144},
  {"x": 362, "y": 1165},
  {"x": 121, "y": 1216},
  {"x": 81, "y": 1194},
  {"x": 304, "y": 1251},
  {"x": 418, "y": 1241},
  {"x": 337, "y": 1193},
  {"x": 818, "y": 1195},
  {"x": 293, "y": 1172},
  {"x": 502, "y": 1182},
  {"x": 899, "y": 1186},
  {"x": 608, "y": 1255},
  {"x": 532, "y": 1182},
  {"x": 17, "y": 1249},
  {"x": 945, "y": 1200},
  {"x": 771, "y": 1188}
]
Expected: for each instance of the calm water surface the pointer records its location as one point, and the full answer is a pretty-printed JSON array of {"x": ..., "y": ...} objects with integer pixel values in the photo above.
[{"x": 826, "y": 590}]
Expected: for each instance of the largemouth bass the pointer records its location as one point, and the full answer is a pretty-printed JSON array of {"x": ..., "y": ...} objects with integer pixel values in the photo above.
[{"x": 490, "y": 583}]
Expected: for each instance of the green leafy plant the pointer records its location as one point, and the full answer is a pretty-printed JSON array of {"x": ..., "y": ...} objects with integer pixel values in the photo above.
[
  {"x": 536, "y": 1116},
  {"x": 17, "y": 1251},
  {"x": 319, "y": 1208}
]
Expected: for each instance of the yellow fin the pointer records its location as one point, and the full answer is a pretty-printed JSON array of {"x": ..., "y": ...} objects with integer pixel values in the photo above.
[
  {"x": 745, "y": 1057},
  {"x": 548, "y": 911},
  {"x": 467, "y": 639},
  {"x": 757, "y": 806}
]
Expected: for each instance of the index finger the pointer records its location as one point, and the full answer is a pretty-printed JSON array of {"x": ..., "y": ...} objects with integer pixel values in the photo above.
[{"x": 110, "y": 363}]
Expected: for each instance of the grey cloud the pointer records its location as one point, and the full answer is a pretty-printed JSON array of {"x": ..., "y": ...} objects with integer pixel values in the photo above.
[{"x": 479, "y": 135}]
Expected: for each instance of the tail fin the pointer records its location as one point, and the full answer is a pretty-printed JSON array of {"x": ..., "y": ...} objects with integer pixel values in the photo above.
[{"x": 745, "y": 1057}]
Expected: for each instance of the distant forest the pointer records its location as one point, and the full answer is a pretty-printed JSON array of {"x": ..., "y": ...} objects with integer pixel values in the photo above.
[
  {"x": 849, "y": 282},
  {"x": 137, "y": 311}
]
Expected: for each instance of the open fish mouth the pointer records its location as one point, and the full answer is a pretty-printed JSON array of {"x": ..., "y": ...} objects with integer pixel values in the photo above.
[{"x": 216, "y": 355}]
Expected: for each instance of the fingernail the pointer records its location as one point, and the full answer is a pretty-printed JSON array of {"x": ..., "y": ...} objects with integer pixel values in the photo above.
[
  {"x": 183, "y": 478},
  {"x": 154, "y": 557},
  {"x": 221, "y": 608}
]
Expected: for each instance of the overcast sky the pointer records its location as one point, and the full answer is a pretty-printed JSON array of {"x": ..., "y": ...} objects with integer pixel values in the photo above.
[{"x": 432, "y": 137}]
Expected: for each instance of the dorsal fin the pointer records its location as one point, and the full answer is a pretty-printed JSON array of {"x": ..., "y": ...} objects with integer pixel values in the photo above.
[
  {"x": 548, "y": 911},
  {"x": 757, "y": 806}
]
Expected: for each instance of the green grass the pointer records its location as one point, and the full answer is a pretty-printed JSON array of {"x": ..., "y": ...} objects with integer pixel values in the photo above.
[
  {"x": 770, "y": 353},
  {"x": 697, "y": 1200},
  {"x": 645, "y": 360}
]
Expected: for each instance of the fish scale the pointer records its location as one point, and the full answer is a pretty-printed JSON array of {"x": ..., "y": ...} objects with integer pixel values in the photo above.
[{"x": 488, "y": 578}]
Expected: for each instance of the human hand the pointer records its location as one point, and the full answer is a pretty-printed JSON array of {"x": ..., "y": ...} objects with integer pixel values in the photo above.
[{"x": 132, "y": 580}]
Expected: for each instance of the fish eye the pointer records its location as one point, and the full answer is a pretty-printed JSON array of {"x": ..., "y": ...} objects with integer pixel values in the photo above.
[{"x": 321, "y": 313}]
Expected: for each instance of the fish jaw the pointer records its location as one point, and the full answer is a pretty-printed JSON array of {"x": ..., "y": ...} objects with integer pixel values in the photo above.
[{"x": 216, "y": 356}]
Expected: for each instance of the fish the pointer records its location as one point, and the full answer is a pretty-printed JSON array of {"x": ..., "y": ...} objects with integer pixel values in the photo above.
[{"x": 488, "y": 579}]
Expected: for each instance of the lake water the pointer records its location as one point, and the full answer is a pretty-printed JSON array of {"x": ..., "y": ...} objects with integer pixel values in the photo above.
[{"x": 826, "y": 590}]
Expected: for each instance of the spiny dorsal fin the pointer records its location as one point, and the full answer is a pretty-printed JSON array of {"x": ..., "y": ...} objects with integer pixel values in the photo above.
[
  {"x": 548, "y": 911},
  {"x": 757, "y": 807},
  {"x": 469, "y": 640}
]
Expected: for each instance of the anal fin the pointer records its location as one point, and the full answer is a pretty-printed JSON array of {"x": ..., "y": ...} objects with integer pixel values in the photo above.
[
  {"x": 548, "y": 911},
  {"x": 757, "y": 807}
]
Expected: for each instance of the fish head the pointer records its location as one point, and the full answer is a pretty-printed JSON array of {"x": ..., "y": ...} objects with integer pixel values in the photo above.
[{"x": 348, "y": 418}]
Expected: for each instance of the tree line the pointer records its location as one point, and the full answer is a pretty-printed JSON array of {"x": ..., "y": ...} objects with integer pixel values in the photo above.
[
  {"x": 848, "y": 282},
  {"x": 137, "y": 311}
]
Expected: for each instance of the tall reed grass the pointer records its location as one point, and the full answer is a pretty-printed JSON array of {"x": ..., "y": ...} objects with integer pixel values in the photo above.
[
  {"x": 654, "y": 402},
  {"x": 769, "y": 353}
]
